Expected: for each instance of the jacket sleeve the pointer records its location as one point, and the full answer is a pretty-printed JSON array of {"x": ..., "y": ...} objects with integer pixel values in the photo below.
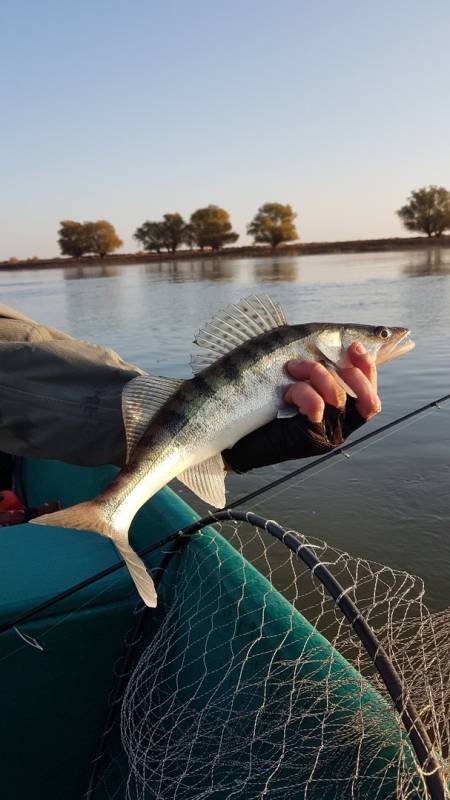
[{"x": 59, "y": 397}]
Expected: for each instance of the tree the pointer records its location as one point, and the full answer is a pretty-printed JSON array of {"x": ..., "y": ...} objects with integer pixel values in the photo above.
[
  {"x": 427, "y": 211},
  {"x": 174, "y": 229},
  {"x": 189, "y": 237},
  {"x": 170, "y": 233},
  {"x": 101, "y": 237},
  {"x": 152, "y": 236},
  {"x": 72, "y": 238},
  {"x": 77, "y": 238},
  {"x": 273, "y": 224},
  {"x": 211, "y": 227}
]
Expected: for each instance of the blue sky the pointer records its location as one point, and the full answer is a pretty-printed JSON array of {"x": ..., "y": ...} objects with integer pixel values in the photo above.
[{"x": 126, "y": 110}]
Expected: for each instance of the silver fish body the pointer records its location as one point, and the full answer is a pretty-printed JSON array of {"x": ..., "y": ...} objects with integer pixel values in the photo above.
[
  {"x": 233, "y": 397},
  {"x": 239, "y": 392}
]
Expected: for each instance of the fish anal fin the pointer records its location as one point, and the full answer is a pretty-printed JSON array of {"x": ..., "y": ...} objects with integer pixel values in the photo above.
[
  {"x": 207, "y": 481},
  {"x": 142, "y": 397}
]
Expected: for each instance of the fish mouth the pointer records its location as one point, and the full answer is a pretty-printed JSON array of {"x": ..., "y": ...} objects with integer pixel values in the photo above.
[{"x": 401, "y": 344}]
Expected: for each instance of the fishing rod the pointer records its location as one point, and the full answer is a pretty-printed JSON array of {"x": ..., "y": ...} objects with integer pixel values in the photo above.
[{"x": 196, "y": 526}]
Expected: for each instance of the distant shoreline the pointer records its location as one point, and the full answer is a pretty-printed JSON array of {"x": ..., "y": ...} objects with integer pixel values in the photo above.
[{"x": 251, "y": 251}]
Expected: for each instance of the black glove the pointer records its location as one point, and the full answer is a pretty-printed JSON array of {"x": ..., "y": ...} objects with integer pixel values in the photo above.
[{"x": 294, "y": 437}]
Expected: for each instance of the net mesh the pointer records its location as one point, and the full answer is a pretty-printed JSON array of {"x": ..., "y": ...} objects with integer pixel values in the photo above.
[{"x": 255, "y": 685}]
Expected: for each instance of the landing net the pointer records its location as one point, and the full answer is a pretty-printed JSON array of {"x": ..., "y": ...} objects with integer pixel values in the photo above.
[{"x": 255, "y": 685}]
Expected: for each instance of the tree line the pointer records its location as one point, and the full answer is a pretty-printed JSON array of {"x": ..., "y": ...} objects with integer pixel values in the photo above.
[
  {"x": 427, "y": 210},
  {"x": 208, "y": 227}
]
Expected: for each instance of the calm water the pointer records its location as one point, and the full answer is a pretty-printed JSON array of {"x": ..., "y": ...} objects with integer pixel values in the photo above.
[{"x": 391, "y": 501}]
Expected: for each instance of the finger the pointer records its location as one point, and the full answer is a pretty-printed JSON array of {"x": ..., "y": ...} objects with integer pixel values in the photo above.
[
  {"x": 361, "y": 359},
  {"x": 320, "y": 379},
  {"x": 307, "y": 400},
  {"x": 367, "y": 401}
]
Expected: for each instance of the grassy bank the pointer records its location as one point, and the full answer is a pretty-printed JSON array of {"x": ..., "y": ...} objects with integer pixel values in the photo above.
[{"x": 260, "y": 251}]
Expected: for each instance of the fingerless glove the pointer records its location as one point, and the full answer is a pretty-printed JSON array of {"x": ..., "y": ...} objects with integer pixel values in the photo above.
[{"x": 294, "y": 437}]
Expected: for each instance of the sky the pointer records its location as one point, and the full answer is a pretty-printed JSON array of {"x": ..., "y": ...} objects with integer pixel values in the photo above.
[{"x": 127, "y": 110}]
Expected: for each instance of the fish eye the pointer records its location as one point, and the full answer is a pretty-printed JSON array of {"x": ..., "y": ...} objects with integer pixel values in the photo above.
[{"x": 383, "y": 333}]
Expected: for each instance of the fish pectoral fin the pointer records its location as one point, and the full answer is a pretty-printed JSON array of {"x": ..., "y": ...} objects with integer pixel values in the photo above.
[
  {"x": 142, "y": 397},
  {"x": 287, "y": 411},
  {"x": 333, "y": 356},
  {"x": 207, "y": 481},
  {"x": 234, "y": 326},
  {"x": 340, "y": 381}
]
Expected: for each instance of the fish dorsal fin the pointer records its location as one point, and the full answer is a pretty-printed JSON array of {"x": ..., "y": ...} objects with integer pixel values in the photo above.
[
  {"x": 235, "y": 325},
  {"x": 142, "y": 397},
  {"x": 207, "y": 481}
]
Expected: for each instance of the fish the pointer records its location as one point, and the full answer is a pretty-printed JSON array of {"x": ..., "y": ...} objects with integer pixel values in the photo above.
[{"x": 179, "y": 428}]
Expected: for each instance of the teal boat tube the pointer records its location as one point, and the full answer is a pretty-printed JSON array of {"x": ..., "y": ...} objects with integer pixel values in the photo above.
[{"x": 233, "y": 693}]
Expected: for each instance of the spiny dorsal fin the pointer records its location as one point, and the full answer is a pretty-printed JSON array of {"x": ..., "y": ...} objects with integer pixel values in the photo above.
[
  {"x": 207, "y": 481},
  {"x": 142, "y": 397},
  {"x": 235, "y": 325}
]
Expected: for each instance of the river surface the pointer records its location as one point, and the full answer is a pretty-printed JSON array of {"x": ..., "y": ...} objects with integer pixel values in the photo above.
[{"x": 389, "y": 502}]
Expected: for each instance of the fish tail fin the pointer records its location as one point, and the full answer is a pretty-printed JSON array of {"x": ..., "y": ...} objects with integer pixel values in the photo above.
[
  {"x": 88, "y": 516},
  {"x": 138, "y": 571}
]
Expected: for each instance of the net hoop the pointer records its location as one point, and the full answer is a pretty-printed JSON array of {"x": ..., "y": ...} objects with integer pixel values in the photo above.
[{"x": 420, "y": 741}]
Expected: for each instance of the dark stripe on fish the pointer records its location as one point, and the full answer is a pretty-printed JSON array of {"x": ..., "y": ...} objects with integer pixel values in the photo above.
[
  {"x": 203, "y": 385},
  {"x": 230, "y": 368}
]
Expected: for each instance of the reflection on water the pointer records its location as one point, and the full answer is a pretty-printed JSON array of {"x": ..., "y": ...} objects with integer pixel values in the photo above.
[
  {"x": 86, "y": 271},
  {"x": 274, "y": 270},
  {"x": 224, "y": 269},
  {"x": 432, "y": 261},
  {"x": 390, "y": 502},
  {"x": 211, "y": 269}
]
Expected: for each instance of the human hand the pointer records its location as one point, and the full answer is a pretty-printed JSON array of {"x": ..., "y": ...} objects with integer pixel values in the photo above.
[
  {"x": 316, "y": 386},
  {"x": 327, "y": 415}
]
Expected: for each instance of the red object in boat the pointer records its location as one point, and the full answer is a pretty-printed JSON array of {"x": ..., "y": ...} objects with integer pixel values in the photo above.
[
  {"x": 13, "y": 512},
  {"x": 12, "y": 517},
  {"x": 9, "y": 501}
]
